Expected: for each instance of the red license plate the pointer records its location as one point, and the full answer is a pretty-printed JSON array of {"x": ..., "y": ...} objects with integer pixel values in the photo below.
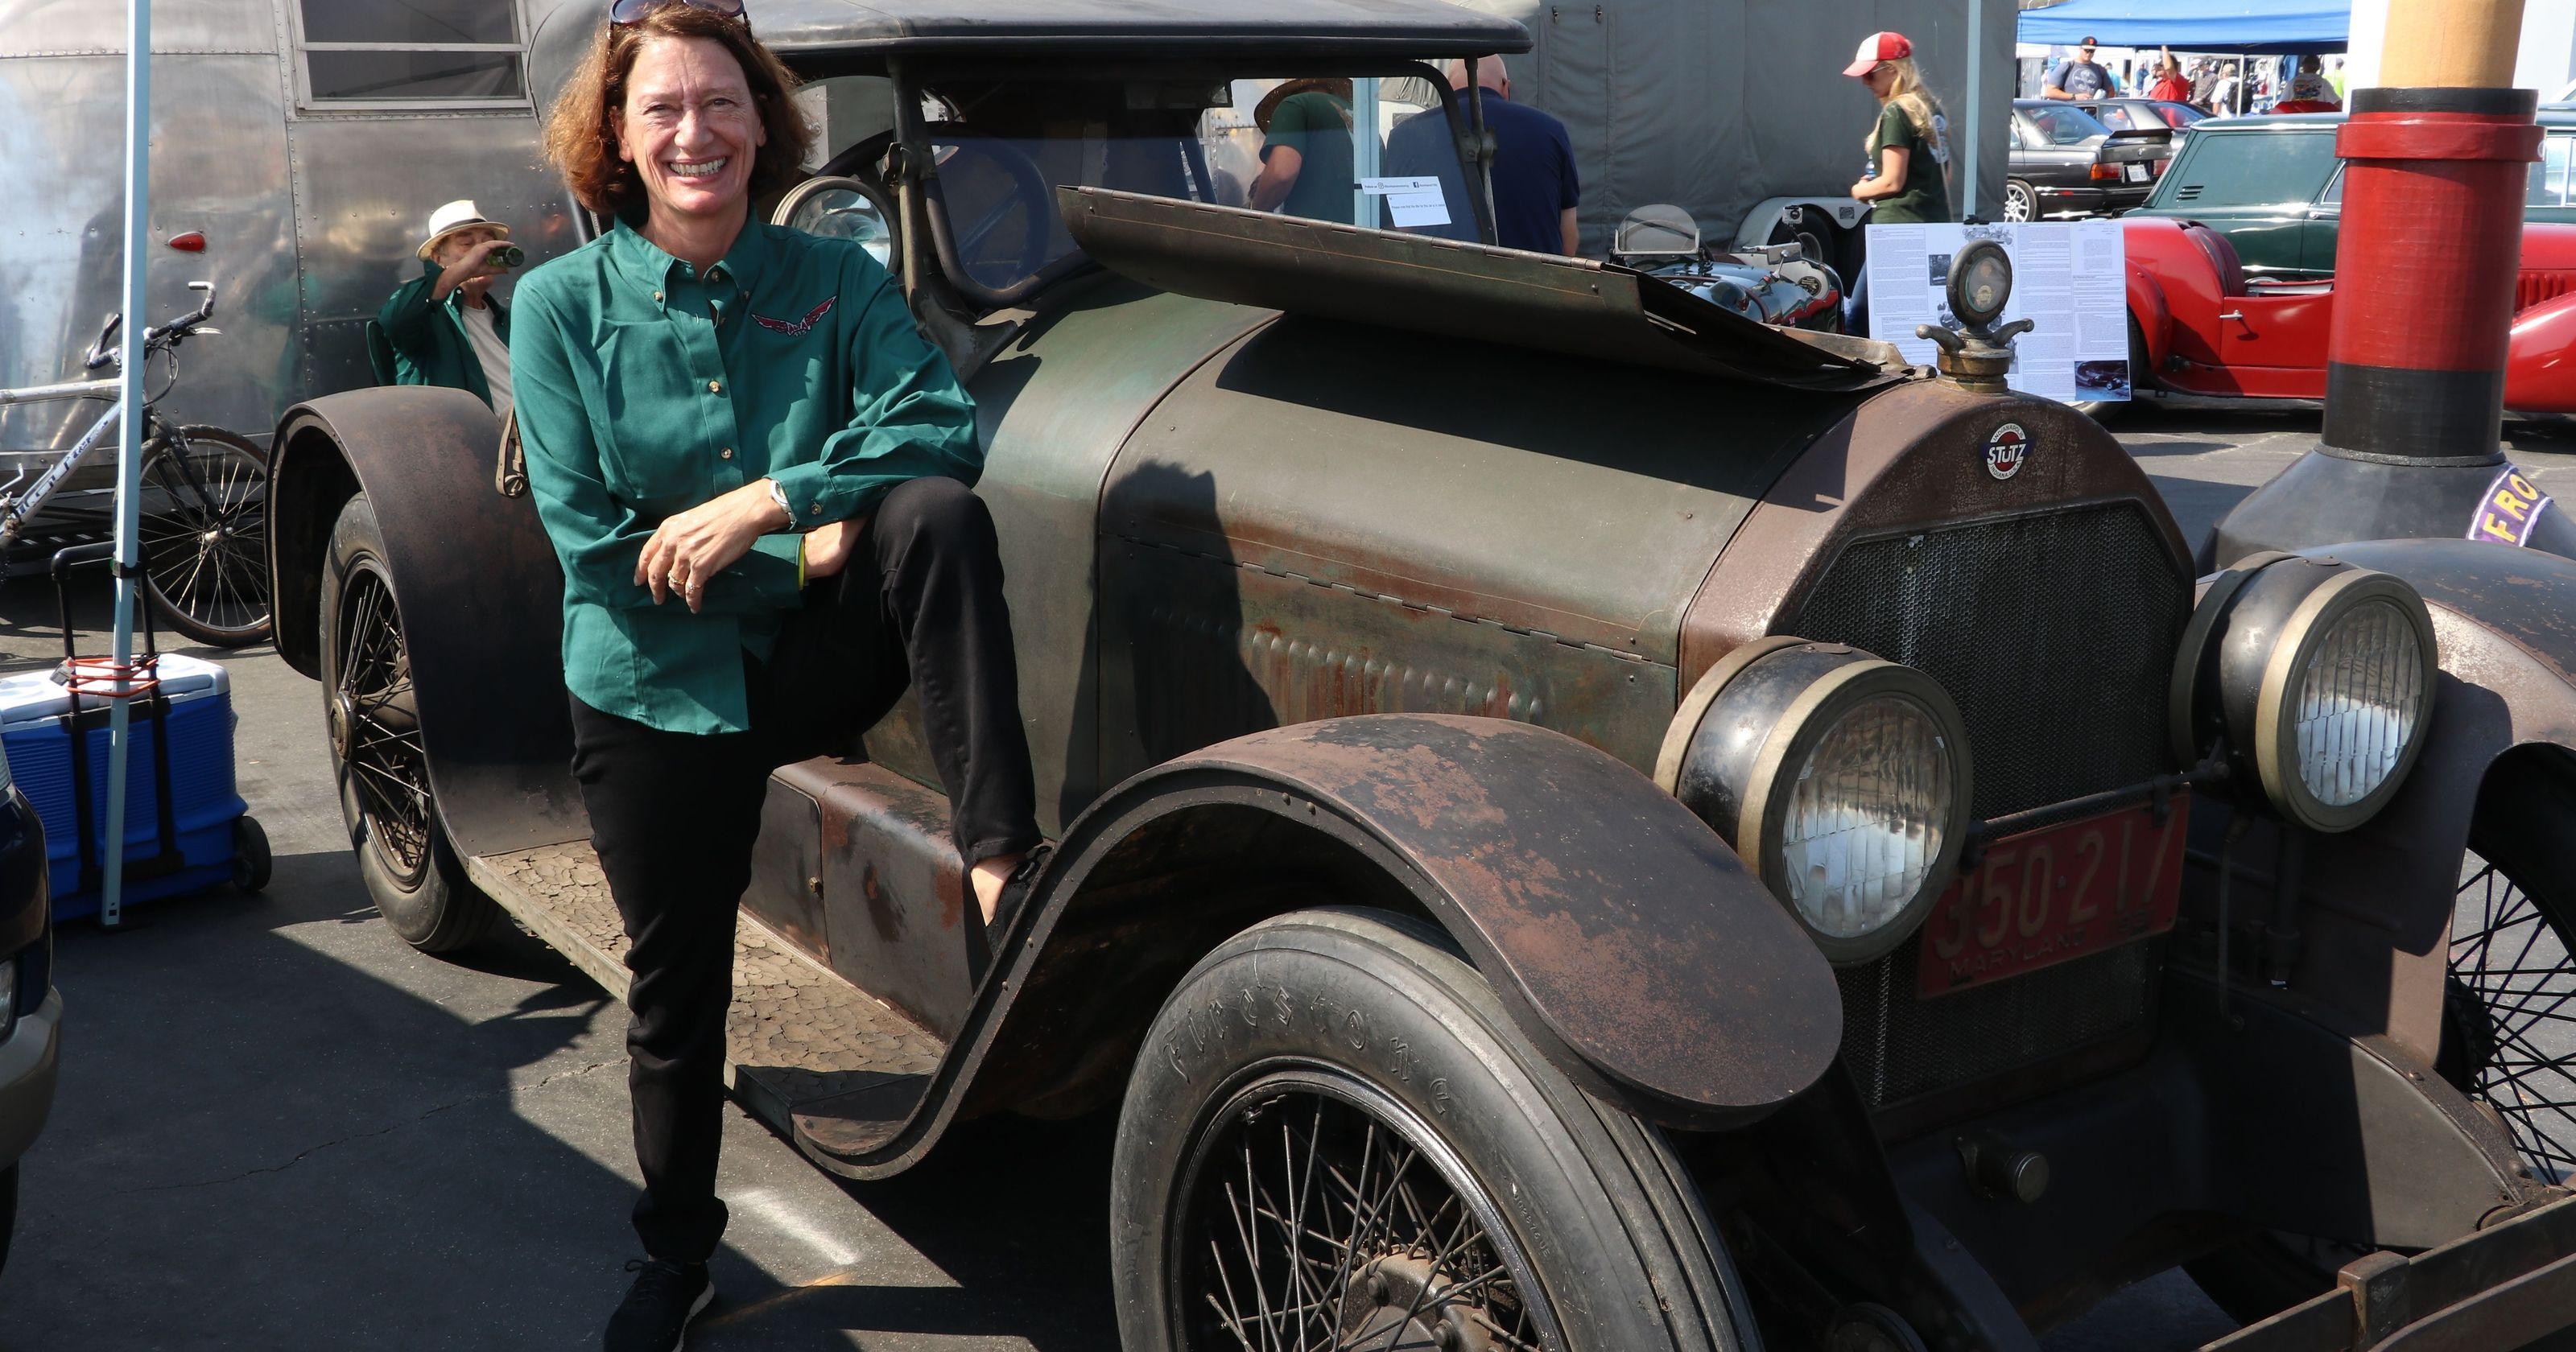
[{"x": 2060, "y": 892}]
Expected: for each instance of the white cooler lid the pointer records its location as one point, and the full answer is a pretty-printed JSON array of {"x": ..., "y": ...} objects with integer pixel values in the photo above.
[{"x": 32, "y": 697}]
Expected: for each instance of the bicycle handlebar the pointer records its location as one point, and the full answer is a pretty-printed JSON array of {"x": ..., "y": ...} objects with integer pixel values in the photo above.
[{"x": 168, "y": 335}]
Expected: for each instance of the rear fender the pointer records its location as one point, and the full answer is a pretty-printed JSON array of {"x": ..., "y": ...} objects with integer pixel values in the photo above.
[
  {"x": 2154, "y": 318},
  {"x": 2380, "y": 898},
  {"x": 2186, "y": 284},
  {"x": 477, "y": 585},
  {"x": 1626, "y": 940},
  {"x": 2540, "y": 358}
]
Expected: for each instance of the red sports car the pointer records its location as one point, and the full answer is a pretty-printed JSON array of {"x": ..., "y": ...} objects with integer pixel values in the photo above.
[{"x": 2199, "y": 325}]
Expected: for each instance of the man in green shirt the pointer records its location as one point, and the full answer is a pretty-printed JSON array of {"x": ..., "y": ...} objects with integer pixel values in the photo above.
[
  {"x": 442, "y": 326},
  {"x": 1306, "y": 164}
]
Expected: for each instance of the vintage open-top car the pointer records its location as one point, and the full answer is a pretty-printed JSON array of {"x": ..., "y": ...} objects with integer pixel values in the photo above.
[{"x": 1584, "y": 821}]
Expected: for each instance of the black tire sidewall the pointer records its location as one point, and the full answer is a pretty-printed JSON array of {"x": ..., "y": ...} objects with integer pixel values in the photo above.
[
  {"x": 441, "y": 912},
  {"x": 1381, "y": 998},
  {"x": 2028, "y": 195}
]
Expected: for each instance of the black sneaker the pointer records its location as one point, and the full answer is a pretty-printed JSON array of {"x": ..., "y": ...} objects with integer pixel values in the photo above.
[{"x": 659, "y": 1306}]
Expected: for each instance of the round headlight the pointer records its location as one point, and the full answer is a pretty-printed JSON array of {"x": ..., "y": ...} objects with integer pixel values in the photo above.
[
  {"x": 2321, "y": 677},
  {"x": 1842, "y": 781},
  {"x": 1981, "y": 281},
  {"x": 839, "y": 207}
]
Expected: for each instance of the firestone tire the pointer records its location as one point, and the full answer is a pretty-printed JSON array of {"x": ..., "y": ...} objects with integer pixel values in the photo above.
[
  {"x": 1362, "y": 1039},
  {"x": 411, "y": 872}
]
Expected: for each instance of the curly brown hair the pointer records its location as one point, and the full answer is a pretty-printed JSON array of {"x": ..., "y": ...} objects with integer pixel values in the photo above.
[{"x": 581, "y": 127}]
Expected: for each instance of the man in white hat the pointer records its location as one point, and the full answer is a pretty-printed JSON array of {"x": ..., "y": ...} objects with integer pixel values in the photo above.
[{"x": 442, "y": 327}]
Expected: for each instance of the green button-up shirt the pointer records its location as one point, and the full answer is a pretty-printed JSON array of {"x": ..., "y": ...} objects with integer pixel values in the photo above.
[
  {"x": 646, "y": 388},
  {"x": 428, "y": 336}
]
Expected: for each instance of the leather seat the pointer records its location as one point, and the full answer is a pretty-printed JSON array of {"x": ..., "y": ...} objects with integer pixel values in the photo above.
[{"x": 2232, "y": 280}]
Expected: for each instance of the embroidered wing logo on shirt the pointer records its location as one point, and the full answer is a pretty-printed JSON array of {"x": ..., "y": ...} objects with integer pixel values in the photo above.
[{"x": 797, "y": 327}]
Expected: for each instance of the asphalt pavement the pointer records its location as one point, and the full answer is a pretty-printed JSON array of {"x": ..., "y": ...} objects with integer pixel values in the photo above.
[{"x": 279, "y": 1128}]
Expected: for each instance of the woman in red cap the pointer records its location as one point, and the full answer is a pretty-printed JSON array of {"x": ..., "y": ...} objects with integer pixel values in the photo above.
[{"x": 1907, "y": 180}]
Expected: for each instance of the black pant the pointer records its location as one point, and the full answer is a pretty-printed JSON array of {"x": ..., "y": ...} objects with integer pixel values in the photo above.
[{"x": 674, "y": 815}]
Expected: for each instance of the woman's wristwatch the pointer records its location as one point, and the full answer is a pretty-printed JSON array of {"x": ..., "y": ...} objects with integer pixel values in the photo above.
[{"x": 779, "y": 495}]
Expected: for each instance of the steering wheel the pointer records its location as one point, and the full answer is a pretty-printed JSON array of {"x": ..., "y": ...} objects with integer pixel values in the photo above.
[{"x": 1028, "y": 188}]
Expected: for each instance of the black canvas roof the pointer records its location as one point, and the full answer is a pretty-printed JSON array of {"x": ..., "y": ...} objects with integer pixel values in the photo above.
[{"x": 846, "y": 37}]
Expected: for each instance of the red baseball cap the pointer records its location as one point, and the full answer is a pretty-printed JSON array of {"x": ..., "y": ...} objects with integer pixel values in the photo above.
[{"x": 1875, "y": 48}]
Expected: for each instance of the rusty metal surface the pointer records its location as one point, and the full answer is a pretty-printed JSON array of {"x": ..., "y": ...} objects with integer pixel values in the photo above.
[
  {"x": 1552, "y": 865},
  {"x": 1557, "y": 869},
  {"x": 480, "y": 595},
  {"x": 892, "y": 901},
  {"x": 2380, "y": 900},
  {"x": 1322, "y": 539},
  {"x": 1571, "y": 307},
  {"x": 804, "y": 1048},
  {"x": 1913, "y": 455},
  {"x": 2506, "y": 1286},
  {"x": 1054, "y": 407}
]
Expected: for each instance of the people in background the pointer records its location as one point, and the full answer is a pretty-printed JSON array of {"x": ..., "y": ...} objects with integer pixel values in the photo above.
[
  {"x": 2334, "y": 76},
  {"x": 1535, "y": 186},
  {"x": 2170, "y": 84},
  {"x": 443, "y": 326},
  {"x": 1306, "y": 165},
  {"x": 2080, "y": 77},
  {"x": 1907, "y": 178},
  {"x": 2309, "y": 91},
  {"x": 757, "y": 477}
]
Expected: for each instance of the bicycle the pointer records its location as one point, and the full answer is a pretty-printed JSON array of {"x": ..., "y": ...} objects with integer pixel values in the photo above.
[{"x": 205, "y": 546}]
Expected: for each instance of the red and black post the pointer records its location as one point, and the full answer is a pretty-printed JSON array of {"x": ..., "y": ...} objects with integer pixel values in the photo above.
[{"x": 2431, "y": 239}]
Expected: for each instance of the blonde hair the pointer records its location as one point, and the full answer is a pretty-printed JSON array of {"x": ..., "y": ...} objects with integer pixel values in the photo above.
[{"x": 1910, "y": 94}]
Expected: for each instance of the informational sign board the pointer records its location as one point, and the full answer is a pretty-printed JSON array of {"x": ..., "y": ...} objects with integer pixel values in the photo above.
[
  {"x": 1411, "y": 203},
  {"x": 2070, "y": 279}
]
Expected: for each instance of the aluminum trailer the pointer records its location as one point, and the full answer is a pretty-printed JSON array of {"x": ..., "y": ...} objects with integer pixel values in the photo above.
[{"x": 306, "y": 140}]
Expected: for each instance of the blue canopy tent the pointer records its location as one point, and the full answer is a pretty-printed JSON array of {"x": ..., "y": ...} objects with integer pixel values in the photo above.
[{"x": 2254, "y": 27}]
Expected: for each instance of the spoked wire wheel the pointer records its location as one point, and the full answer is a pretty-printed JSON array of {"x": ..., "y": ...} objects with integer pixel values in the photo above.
[
  {"x": 205, "y": 541},
  {"x": 1322, "y": 1215},
  {"x": 375, "y": 729},
  {"x": 2509, "y": 1039}
]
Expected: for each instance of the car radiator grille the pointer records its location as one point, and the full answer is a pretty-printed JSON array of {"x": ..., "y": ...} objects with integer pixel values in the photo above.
[{"x": 2055, "y": 633}]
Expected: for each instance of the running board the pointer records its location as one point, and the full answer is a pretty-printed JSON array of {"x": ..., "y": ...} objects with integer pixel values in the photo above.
[{"x": 824, "y": 1063}]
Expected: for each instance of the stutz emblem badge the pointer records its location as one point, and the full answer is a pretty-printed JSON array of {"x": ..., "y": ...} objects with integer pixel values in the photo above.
[{"x": 2006, "y": 448}]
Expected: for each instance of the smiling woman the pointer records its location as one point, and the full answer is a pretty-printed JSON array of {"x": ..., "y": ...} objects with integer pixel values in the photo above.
[{"x": 754, "y": 472}]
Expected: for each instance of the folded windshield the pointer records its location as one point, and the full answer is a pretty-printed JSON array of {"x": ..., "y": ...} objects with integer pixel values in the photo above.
[{"x": 1357, "y": 151}]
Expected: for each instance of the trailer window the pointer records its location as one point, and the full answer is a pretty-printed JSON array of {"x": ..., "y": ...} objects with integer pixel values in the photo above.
[{"x": 399, "y": 53}]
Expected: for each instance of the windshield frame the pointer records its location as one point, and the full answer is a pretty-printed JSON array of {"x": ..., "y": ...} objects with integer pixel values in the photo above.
[{"x": 913, "y": 145}]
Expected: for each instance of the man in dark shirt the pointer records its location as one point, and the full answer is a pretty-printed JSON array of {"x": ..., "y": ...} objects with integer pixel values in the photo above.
[{"x": 1535, "y": 186}]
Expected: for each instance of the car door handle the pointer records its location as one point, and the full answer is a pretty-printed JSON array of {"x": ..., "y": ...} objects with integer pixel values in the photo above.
[{"x": 2237, "y": 315}]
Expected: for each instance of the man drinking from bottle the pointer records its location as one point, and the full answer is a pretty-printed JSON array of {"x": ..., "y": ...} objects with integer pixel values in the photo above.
[{"x": 442, "y": 328}]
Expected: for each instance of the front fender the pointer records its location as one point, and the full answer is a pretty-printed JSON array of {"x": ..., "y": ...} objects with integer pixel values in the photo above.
[
  {"x": 2505, "y": 620},
  {"x": 478, "y": 587},
  {"x": 2540, "y": 358},
  {"x": 1630, "y": 945}
]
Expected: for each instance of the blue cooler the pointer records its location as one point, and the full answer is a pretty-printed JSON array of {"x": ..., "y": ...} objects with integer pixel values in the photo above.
[{"x": 199, "y": 849}]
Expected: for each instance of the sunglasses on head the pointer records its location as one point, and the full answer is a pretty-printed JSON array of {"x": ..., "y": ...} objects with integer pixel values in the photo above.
[{"x": 628, "y": 13}]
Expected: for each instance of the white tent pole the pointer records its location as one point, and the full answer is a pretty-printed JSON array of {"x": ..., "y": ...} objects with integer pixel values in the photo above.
[
  {"x": 1976, "y": 100},
  {"x": 129, "y": 458}
]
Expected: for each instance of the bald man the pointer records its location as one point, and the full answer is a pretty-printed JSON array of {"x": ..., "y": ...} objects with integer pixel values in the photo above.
[{"x": 1536, "y": 189}]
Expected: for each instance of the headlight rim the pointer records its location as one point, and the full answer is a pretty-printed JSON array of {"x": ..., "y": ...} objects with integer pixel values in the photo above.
[
  {"x": 2275, "y": 748},
  {"x": 1792, "y": 734}
]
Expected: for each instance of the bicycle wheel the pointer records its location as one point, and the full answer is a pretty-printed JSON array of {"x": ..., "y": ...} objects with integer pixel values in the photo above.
[{"x": 205, "y": 541}]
